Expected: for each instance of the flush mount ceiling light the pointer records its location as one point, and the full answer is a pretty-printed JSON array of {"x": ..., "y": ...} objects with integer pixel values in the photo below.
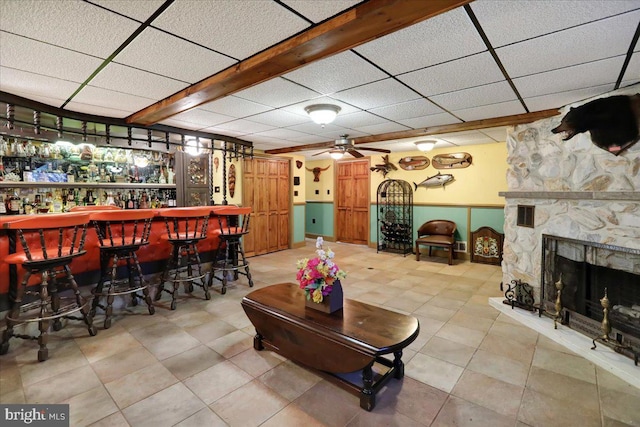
[
  {"x": 336, "y": 154},
  {"x": 426, "y": 145},
  {"x": 322, "y": 114}
]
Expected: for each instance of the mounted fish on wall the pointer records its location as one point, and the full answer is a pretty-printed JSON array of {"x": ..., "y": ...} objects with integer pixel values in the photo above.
[
  {"x": 451, "y": 161},
  {"x": 414, "y": 163},
  {"x": 438, "y": 180},
  {"x": 613, "y": 122}
]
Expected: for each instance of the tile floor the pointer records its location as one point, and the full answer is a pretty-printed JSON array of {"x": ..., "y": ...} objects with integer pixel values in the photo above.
[{"x": 196, "y": 366}]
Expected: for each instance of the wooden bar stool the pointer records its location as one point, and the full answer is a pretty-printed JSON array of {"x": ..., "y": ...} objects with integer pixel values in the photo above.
[
  {"x": 120, "y": 234},
  {"x": 233, "y": 223},
  {"x": 185, "y": 227},
  {"x": 49, "y": 244}
]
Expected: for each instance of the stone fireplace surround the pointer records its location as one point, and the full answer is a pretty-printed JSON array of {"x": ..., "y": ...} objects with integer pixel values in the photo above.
[{"x": 579, "y": 191}]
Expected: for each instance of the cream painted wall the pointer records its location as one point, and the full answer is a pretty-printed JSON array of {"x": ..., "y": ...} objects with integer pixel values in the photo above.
[
  {"x": 218, "y": 181},
  {"x": 326, "y": 181},
  {"x": 302, "y": 173},
  {"x": 477, "y": 184}
]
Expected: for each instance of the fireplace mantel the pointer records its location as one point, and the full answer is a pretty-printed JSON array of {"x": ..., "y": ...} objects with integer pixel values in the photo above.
[{"x": 573, "y": 195}]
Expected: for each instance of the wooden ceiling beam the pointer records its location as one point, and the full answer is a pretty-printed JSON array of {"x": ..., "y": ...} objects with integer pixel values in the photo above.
[
  {"x": 365, "y": 22},
  {"x": 515, "y": 119}
]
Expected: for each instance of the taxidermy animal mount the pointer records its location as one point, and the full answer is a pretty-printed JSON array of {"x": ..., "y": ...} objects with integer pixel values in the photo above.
[
  {"x": 613, "y": 122},
  {"x": 316, "y": 172},
  {"x": 438, "y": 180},
  {"x": 385, "y": 167}
]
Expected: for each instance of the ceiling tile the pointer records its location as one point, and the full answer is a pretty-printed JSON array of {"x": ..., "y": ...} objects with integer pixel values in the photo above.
[
  {"x": 560, "y": 99},
  {"x": 307, "y": 139},
  {"x": 235, "y": 107},
  {"x": 465, "y": 137},
  {"x": 489, "y": 111},
  {"x": 507, "y": 22},
  {"x": 459, "y": 74},
  {"x": 40, "y": 98},
  {"x": 278, "y": 118},
  {"x": 577, "y": 77},
  {"x": 29, "y": 55},
  {"x": 430, "y": 120},
  {"x": 234, "y": 28},
  {"x": 382, "y": 128},
  {"x": 29, "y": 84},
  {"x": 499, "y": 134},
  {"x": 358, "y": 119},
  {"x": 299, "y": 108},
  {"x": 277, "y": 93},
  {"x": 111, "y": 99},
  {"x": 220, "y": 131},
  {"x": 244, "y": 126},
  {"x": 481, "y": 95},
  {"x": 314, "y": 128},
  {"x": 319, "y": 10},
  {"x": 181, "y": 124},
  {"x": 338, "y": 72},
  {"x": 407, "y": 110},
  {"x": 202, "y": 117},
  {"x": 377, "y": 94},
  {"x": 75, "y": 25},
  {"x": 97, "y": 110},
  {"x": 139, "y": 10},
  {"x": 167, "y": 55},
  {"x": 136, "y": 82},
  {"x": 442, "y": 38},
  {"x": 633, "y": 69},
  {"x": 283, "y": 134},
  {"x": 602, "y": 39}
]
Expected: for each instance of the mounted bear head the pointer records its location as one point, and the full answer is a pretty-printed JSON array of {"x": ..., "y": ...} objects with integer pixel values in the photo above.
[{"x": 613, "y": 122}]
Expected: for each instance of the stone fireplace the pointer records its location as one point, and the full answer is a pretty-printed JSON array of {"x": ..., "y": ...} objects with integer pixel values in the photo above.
[{"x": 583, "y": 197}]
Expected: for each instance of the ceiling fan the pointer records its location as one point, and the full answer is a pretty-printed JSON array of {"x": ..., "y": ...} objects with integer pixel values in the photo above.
[{"x": 345, "y": 145}]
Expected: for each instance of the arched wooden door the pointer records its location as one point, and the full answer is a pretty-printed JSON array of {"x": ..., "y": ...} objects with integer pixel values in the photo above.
[{"x": 352, "y": 201}]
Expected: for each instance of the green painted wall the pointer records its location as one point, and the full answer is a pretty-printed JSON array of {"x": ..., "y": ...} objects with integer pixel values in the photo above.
[
  {"x": 322, "y": 212},
  {"x": 422, "y": 214},
  {"x": 490, "y": 217},
  {"x": 298, "y": 223}
]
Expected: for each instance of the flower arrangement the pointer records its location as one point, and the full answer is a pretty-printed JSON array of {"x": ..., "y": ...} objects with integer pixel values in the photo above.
[{"x": 317, "y": 275}]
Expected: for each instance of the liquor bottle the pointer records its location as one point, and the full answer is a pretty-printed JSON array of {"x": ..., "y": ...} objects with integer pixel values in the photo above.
[
  {"x": 14, "y": 204},
  {"x": 130, "y": 201},
  {"x": 57, "y": 202},
  {"x": 27, "y": 207},
  {"x": 3, "y": 208}
]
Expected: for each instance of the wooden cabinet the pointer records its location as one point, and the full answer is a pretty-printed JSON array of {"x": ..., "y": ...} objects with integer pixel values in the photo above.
[
  {"x": 266, "y": 188},
  {"x": 352, "y": 202}
]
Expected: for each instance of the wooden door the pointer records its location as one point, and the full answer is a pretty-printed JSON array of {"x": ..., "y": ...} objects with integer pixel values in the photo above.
[
  {"x": 352, "y": 201},
  {"x": 266, "y": 189}
]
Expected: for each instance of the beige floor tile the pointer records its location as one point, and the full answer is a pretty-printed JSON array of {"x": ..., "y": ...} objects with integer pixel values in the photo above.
[
  {"x": 104, "y": 347},
  {"x": 191, "y": 319},
  {"x": 256, "y": 363},
  {"x": 459, "y": 412},
  {"x": 433, "y": 312},
  {"x": 13, "y": 396},
  {"x": 292, "y": 416},
  {"x": 480, "y": 310},
  {"x": 210, "y": 331},
  {"x": 620, "y": 406},
  {"x": 165, "y": 408},
  {"x": 250, "y": 405},
  {"x": 449, "y": 351},
  {"x": 573, "y": 391},
  {"x": 542, "y": 410},
  {"x": 62, "y": 358},
  {"x": 414, "y": 399},
  {"x": 114, "y": 420},
  {"x": 565, "y": 364},
  {"x": 140, "y": 384},
  {"x": 204, "y": 417},
  {"x": 499, "y": 396},
  {"x": 460, "y": 334},
  {"x": 226, "y": 377},
  {"x": 192, "y": 361},
  {"x": 471, "y": 322},
  {"x": 329, "y": 404},
  {"x": 370, "y": 419},
  {"x": 444, "y": 302},
  {"x": 456, "y": 294},
  {"x": 434, "y": 372},
  {"x": 519, "y": 333},
  {"x": 609, "y": 381},
  {"x": 510, "y": 349},
  {"x": 232, "y": 344},
  {"x": 499, "y": 367},
  {"x": 90, "y": 406},
  {"x": 63, "y": 386},
  {"x": 404, "y": 303},
  {"x": 290, "y": 380},
  {"x": 10, "y": 379},
  {"x": 120, "y": 364}
]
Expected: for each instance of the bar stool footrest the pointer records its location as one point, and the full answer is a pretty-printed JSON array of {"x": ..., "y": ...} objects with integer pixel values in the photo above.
[
  {"x": 68, "y": 306},
  {"x": 119, "y": 289}
]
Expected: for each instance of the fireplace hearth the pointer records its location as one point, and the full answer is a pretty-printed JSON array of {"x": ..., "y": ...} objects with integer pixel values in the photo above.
[{"x": 594, "y": 276}]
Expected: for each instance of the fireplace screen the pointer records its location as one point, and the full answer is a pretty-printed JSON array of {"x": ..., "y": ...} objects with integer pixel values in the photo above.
[{"x": 588, "y": 270}]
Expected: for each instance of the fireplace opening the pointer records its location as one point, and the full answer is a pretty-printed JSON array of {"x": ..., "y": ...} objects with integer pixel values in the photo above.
[{"x": 587, "y": 272}]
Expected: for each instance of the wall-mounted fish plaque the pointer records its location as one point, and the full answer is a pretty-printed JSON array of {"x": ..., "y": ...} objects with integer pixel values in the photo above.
[
  {"x": 438, "y": 180},
  {"x": 414, "y": 163},
  {"x": 451, "y": 161}
]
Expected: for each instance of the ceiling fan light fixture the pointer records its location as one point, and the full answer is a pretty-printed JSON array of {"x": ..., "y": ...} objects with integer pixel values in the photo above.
[
  {"x": 336, "y": 154},
  {"x": 426, "y": 145},
  {"x": 322, "y": 114}
]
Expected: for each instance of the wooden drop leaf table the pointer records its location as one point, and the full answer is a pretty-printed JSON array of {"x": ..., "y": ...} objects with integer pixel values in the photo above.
[{"x": 347, "y": 341}]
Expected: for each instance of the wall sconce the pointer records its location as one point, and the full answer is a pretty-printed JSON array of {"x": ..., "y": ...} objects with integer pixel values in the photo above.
[
  {"x": 426, "y": 145},
  {"x": 322, "y": 114}
]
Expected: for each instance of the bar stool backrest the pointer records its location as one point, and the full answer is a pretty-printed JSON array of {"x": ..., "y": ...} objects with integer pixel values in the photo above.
[
  {"x": 95, "y": 208},
  {"x": 122, "y": 228},
  {"x": 52, "y": 235},
  {"x": 233, "y": 220},
  {"x": 186, "y": 223}
]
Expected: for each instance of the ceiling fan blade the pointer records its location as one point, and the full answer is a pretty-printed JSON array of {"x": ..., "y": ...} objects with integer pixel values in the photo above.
[
  {"x": 355, "y": 153},
  {"x": 379, "y": 150},
  {"x": 322, "y": 152}
]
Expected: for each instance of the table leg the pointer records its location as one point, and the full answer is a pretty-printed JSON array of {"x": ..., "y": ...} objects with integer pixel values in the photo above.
[
  {"x": 398, "y": 365},
  {"x": 367, "y": 395},
  {"x": 257, "y": 342}
]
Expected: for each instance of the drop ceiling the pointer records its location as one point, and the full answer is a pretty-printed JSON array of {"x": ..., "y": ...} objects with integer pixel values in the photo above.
[{"x": 485, "y": 60}]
